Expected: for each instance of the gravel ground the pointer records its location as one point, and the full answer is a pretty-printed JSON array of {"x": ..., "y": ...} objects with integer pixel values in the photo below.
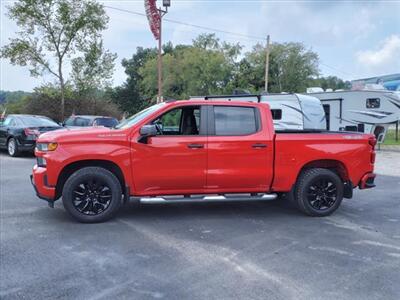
[{"x": 201, "y": 251}]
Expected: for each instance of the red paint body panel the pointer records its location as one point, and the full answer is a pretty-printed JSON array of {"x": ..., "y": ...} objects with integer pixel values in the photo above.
[
  {"x": 235, "y": 166},
  {"x": 226, "y": 164},
  {"x": 294, "y": 151},
  {"x": 165, "y": 160}
]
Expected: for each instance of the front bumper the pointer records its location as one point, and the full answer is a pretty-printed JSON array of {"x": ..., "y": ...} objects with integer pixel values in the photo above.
[
  {"x": 39, "y": 182},
  {"x": 367, "y": 181}
]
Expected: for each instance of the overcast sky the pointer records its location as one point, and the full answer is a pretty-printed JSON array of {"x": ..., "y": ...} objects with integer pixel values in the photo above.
[{"x": 354, "y": 39}]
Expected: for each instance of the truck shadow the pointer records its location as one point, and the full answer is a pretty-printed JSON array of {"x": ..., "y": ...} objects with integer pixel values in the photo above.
[{"x": 251, "y": 209}]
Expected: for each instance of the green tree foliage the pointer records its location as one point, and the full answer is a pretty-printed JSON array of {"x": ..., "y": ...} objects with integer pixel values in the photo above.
[
  {"x": 206, "y": 67},
  {"x": 210, "y": 66},
  {"x": 330, "y": 82},
  {"x": 43, "y": 102},
  {"x": 128, "y": 97},
  {"x": 291, "y": 68},
  {"x": 93, "y": 70},
  {"x": 9, "y": 96},
  {"x": 53, "y": 32}
]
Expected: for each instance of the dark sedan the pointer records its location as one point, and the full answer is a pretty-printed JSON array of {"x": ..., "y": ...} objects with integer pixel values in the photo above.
[{"x": 18, "y": 133}]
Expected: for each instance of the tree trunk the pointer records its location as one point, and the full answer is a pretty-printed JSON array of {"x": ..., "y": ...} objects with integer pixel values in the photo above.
[
  {"x": 62, "y": 86},
  {"x": 62, "y": 101}
]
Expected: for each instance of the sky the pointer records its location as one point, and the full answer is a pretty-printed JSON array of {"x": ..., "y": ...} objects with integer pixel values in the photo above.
[{"x": 354, "y": 39}]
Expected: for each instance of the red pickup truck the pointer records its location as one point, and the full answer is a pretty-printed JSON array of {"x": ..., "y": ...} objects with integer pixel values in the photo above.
[{"x": 198, "y": 150}]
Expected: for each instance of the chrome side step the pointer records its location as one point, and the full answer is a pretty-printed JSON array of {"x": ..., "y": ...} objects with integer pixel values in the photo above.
[{"x": 207, "y": 198}]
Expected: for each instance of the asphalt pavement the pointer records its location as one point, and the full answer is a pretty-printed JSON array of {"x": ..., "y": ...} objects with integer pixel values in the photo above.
[{"x": 201, "y": 251}]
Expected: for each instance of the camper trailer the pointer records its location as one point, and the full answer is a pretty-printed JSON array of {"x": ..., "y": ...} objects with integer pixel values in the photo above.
[
  {"x": 367, "y": 111},
  {"x": 289, "y": 111}
]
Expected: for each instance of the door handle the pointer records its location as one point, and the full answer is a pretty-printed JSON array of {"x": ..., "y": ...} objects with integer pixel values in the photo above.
[
  {"x": 259, "y": 146},
  {"x": 195, "y": 146}
]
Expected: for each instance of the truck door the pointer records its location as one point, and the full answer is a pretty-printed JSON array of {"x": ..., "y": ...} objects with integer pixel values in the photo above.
[
  {"x": 174, "y": 161},
  {"x": 240, "y": 151}
]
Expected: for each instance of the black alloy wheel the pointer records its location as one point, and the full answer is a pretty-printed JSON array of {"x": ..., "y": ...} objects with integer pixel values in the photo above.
[
  {"x": 318, "y": 192},
  {"x": 322, "y": 194},
  {"x": 91, "y": 197},
  {"x": 92, "y": 194}
]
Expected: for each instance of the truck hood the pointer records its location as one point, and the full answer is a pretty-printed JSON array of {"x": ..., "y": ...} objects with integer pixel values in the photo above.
[{"x": 80, "y": 134}]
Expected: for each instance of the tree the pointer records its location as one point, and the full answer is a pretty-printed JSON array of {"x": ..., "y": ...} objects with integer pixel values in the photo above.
[
  {"x": 330, "y": 82},
  {"x": 128, "y": 96},
  {"x": 93, "y": 70},
  {"x": 52, "y": 31},
  {"x": 42, "y": 102},
  {"x": 204, "y": 68},
  {"x": 290, "y": 70}
]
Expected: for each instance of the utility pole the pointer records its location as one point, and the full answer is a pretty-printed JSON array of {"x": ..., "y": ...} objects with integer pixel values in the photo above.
[
  {"x": 266, "y": 64},
  {"x": 162, "y": 13}
]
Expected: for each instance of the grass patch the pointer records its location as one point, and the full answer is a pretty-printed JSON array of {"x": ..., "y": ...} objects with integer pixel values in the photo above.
[{"x": 390, "y": 138}]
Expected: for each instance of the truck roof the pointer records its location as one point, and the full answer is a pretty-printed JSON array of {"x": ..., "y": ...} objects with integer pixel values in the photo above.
[{"x": 214, "y": 102}]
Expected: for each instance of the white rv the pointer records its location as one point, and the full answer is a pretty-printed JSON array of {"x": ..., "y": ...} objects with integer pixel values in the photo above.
[
  {"x": 367, "y": 111},
  {"x": 289, "y": 111}
]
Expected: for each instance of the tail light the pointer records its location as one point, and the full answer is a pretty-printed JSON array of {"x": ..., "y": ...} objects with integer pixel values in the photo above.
[
  {"x": 31, "y": 131},
  {"x": 372, "y": 142}
]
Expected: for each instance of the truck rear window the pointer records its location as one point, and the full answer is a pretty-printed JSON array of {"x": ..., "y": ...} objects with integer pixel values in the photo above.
[{"x": 235, "y": 120}]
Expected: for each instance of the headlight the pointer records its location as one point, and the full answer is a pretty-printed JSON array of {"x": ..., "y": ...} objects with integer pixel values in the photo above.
[{"x": 46, "y": 146}]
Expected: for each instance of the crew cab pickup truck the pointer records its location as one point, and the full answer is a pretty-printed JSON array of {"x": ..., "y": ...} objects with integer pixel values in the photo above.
[{"x": 198, "y": 150}]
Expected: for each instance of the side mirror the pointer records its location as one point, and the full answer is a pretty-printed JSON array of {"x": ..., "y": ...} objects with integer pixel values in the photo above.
[{"x": 148, "y": 130}]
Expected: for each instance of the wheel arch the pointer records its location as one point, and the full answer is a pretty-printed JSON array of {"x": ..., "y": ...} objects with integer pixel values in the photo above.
[
  {"x": 334, "y": 165},
  {"x": 8, "y": 138},
  {"x": 69, "y": 169}
]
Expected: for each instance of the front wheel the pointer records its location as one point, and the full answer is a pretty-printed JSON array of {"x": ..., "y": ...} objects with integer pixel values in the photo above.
[
  {"x": 318, "y": 192},
  {"x": 92, "y": 195}
]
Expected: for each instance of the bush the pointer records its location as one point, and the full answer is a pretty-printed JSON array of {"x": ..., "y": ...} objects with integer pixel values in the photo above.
[{"x": 46, "y": 101}]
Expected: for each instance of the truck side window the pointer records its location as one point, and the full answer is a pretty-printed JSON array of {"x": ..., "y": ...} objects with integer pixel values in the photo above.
[
  {"x": 180, "y": 121},
  {"x": 373, "y": 103},
  {"x": 235, "y": 120}
]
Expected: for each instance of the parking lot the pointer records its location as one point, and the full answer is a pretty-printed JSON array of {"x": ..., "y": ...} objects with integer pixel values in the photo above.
[{"x": 201, "y": 251}]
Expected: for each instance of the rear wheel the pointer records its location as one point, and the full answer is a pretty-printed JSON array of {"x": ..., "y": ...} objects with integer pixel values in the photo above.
[
  {"x": 318, "y": 192},
  {"x": 92, "y": 195},
  {"x": 12, "y": 147}
]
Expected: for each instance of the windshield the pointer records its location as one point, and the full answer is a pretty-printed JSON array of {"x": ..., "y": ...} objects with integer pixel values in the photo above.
[
  {"x": 139, "y": 116},
  {"x": 36, "y": 121}
]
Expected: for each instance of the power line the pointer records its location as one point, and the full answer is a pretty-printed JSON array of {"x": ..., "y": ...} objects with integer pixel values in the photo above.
[
  {"x": 336, "y": 69},
  {"x": 252, "y": 37}
]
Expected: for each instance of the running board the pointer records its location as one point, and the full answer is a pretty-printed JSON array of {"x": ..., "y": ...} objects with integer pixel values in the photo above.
[{"x": 204, "y": 198}]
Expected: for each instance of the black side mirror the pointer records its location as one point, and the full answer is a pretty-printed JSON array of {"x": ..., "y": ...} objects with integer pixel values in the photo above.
[{"x": 148, "y": 130}]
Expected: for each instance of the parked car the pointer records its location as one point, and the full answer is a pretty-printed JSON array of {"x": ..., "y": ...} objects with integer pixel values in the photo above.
[
  {"x": 85, "y": 121},
  {"x": 18, "y": 133},
  {"x": 199, "y": 150}
]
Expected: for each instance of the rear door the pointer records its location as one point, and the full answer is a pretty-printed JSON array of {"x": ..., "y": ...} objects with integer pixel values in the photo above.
[{"x": 240, "y": 152}]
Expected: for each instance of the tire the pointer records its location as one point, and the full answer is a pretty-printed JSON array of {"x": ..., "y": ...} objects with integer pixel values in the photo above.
[
  {"x": 318, "y": 192},
  {"x": 12, "y": 147},
  {"x": 92, "y": 195}
]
